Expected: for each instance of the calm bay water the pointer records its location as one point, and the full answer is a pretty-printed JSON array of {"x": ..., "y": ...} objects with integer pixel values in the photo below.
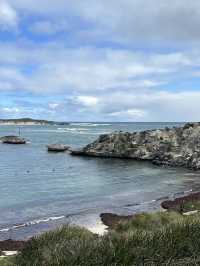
[{"x": 41, "y": 190}]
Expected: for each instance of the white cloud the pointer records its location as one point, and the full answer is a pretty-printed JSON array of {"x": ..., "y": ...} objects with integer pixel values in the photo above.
[
  {"x": 127, "y": 20},
  {"x": 55, "y": 68},
  {"x": 154, "y": 106},
  {"x": 129, "y": 114},
  {"x": 85, "y": 69},
  {"x": 53, "y": 106},
  {"x": 87, "y": 101},
  {"x": 118, "y": 84},
  {"x": 10, "y": 110},
  {"x": 8, "y": 16}
]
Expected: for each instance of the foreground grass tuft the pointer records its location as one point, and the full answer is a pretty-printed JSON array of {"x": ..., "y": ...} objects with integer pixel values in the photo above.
[{"x": 148, "y": 239}]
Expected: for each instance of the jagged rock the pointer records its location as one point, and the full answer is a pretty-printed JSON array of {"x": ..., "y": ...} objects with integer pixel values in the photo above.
[
  {"x": 173, "y": 147},
  {"x": 13, "y": 140},
  {"x": 57, "y": 148}
]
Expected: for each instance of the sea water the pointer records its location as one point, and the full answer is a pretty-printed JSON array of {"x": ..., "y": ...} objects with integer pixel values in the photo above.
[{"x": 41, "y": 191}]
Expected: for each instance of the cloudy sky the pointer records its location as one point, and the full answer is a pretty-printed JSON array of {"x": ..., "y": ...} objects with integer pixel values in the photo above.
[{"x": 103, "y": 60}]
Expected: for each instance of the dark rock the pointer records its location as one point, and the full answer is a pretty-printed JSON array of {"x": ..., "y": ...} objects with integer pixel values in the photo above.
[
  {"x": 111, "y": 219},
  {"x": 13, "y": 140},
  {"x": 12, "y": 245},
  {"x": 57, "y": 148},
  {"x": 171, "y": 147},
  {"x": 77, "y": 152},
  {"x": 178, "y": 203}
]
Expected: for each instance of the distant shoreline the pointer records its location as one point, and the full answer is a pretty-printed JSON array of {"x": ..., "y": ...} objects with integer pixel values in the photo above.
[
  {"x": 24, "y": 124},
  {"x": 29, "y": 122}
]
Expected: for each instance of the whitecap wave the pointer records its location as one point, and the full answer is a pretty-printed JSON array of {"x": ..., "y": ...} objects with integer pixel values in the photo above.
[
  {"x": 73, "y": 129},
  {"x": 84, "y": 131},
  {"x": 34, "y": 222},
  {"x": 89, "y": 124}
]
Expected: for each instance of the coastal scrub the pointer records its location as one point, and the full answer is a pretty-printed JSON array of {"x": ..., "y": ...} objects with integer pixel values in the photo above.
[{"x": 148, "y": 239}]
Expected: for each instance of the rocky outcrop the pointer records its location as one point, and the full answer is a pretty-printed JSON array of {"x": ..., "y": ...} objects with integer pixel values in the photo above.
[
  {"x": 13, "y": 140},
  {"x": 57, "y": 148},
  {"x": 174, "y": 147}
]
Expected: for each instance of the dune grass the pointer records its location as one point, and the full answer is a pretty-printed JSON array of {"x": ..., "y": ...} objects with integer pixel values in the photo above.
[
  {"x": 149, "y": 221},
  {"x": 148, "y": 239}
]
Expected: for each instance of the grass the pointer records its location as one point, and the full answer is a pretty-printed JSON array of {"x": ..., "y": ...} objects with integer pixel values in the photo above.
[
  {"x": 7, "y": 261},
  {"x": 148, "y": 239},
  {"x": 191, "y": 206},
  {"x": 149, "y": 221}
]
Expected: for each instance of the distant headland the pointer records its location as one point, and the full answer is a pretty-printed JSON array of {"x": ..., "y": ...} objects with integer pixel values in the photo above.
[{"x": 30, "y": 121}]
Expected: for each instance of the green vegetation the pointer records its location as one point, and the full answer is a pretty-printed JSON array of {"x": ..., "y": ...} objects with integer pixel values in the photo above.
[
  {"x": 7, "y": 261},
  {"x": 149, "y": 221},
  {"x": 165, "y": 238},
  {"x": 191, "y": 206}
]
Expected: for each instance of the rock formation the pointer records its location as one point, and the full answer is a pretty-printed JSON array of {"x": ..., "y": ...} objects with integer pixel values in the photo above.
[
  {"x": 13, "y": 140},
  {"x": 57, "y": 148},
  {"x": 178, "y": 146}
]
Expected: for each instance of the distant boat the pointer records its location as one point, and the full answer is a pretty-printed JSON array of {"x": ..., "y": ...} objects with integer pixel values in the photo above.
[
  {"x": 57, "y": 148},
  {"x": 13, "y": 140}
]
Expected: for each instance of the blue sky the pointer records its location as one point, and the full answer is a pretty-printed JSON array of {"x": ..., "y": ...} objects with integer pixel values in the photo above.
[{"x": 122, "y": 60}]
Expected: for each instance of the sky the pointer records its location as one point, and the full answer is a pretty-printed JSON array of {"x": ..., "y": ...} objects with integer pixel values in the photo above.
[{"x": 103, "y": 60}]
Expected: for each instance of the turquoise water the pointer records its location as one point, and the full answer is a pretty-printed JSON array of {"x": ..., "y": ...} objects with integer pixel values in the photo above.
[{"x": 41, "y": 190}]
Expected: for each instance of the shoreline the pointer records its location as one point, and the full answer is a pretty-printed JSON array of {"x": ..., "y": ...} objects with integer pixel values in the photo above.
[
  {"x": 106, "y": 221},
  {"x": 31, "y": 124},
  {"x": 185, "y": 205}
]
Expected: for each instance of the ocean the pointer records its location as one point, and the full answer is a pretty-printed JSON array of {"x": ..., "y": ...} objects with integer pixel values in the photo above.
[{"x": 41, "y": 191}]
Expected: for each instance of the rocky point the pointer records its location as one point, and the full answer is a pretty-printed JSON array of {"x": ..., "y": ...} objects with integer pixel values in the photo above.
[{"x": 178, "y": 146}]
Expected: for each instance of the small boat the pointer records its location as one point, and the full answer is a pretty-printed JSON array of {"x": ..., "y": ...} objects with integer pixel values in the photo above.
[
  {"x": 57, "y": 148},
  {"x": 13, "y": 140}
]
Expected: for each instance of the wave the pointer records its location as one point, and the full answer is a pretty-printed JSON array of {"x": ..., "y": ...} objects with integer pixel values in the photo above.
[
  {"x": 73, "y": 129},
  {"x": 84, "y": 131},
  {"x": 34, "y": 222},
  {"x": 42, "y": 221},
  {"x": 89, "y": 124}
]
